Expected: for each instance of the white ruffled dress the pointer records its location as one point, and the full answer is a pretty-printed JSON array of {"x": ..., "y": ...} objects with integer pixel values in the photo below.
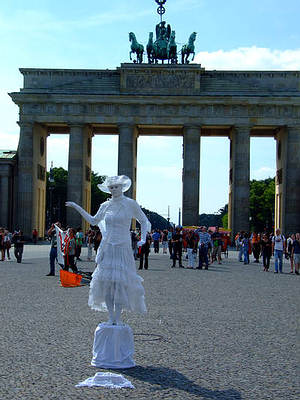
[{"x": 115, "y": 274}]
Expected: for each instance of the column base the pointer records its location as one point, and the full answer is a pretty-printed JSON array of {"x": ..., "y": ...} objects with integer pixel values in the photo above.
[{"x": 113, "y": 347}]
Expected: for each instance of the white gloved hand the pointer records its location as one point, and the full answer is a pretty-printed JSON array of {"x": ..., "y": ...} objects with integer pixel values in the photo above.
[{"x": 70, "y": 204}]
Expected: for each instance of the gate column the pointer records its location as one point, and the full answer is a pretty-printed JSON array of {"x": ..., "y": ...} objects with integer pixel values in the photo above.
[
  {"x": 79, "y": 173},
  {"x": 127, "y": 155},
  {"x": 191, "y": 175},
  {"x": 287, "y": 201},
  {"x": 25, "y": 178},
  {"x": 239, "y": 176}
]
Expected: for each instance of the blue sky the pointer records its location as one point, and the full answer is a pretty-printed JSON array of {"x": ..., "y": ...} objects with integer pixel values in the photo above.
[{"x": 234, "y": 34}]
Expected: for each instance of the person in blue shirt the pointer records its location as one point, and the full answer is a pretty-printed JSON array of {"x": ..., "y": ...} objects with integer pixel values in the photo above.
[{"x": 156, "y": 238}]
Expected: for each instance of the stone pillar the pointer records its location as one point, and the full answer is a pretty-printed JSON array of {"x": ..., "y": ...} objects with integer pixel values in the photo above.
[
  {"x": 127, "y": 155},
  {"x": 191, "y": 175},
  {"x": 39, "y": 181},
  {"x": 25, "y": 178},
  {"x": 79, "y": 172},
  {"x": 6, "y": 196},
  {"x": 239, "y": 176},
  {"x": 287, "y": 196}
]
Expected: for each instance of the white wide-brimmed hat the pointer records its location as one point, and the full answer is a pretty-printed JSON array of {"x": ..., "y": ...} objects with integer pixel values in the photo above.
[{"x": 115, "y": 180}]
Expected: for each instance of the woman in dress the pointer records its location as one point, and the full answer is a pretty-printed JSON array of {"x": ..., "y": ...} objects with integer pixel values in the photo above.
[{"x": 115, "y": 283}]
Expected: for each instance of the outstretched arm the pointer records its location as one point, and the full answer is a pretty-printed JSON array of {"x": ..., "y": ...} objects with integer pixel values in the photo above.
[
  {"x": 145, "y": 224},
  {"x": 92, "y": 220}
]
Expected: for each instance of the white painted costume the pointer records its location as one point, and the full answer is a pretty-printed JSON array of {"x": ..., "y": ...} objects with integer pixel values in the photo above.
[{"x": 115, "y": 276}]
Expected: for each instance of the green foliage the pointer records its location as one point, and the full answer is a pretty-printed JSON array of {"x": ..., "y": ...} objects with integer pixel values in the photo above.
[
  {"x": 97, "y": 196},
  {"x": 225, "y": 221},
  {"x": 56, "y": 196},
  {"x": 156, "y": 220},
  {"x": 262, "y": 204},
  {"x": 214, "y": 219}
]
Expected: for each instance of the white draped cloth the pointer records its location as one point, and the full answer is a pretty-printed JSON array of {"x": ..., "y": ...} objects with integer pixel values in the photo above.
[
  {"x": 107, "y": 380},
  {"x": 115, "y": 274}
]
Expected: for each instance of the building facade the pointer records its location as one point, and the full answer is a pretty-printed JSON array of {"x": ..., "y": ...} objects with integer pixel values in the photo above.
[{"x": 182, "y": 100}]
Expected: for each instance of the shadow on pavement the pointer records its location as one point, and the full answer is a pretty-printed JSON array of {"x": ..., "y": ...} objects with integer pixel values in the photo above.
[{"x": 170, "y": 378}]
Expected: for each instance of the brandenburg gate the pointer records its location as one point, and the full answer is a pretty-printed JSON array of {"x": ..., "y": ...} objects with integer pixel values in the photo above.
[{"x": 158, "y": 99}]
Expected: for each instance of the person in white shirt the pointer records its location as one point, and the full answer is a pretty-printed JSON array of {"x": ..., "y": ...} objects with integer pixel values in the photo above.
[{"x": 278, "y": 248}]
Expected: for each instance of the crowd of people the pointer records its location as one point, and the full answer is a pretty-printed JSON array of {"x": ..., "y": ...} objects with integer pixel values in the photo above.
[
  {"x": 7, "y": 239},
  {"x": 266, "y": 245},
  {"x": 201, "y": 247}
]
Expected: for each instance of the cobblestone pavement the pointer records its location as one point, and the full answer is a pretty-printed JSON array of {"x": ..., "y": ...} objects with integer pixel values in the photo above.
[{"x": 226, "y": 333}]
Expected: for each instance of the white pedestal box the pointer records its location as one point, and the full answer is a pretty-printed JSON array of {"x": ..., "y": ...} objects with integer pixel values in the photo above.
[{"x": 113, "y": 347}]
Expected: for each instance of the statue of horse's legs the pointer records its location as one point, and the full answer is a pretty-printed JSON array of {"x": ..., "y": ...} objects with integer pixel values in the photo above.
[{"x": 130, "y": 55}]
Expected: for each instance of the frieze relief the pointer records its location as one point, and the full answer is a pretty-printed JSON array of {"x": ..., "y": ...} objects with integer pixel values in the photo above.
[
  {"x": 163, "y": 110},
  {"x": 160, "y": 80}
]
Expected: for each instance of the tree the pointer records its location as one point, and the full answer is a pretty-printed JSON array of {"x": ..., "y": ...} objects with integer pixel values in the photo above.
[
  {"x": 262, "y": 195},
  {"x": 97, "y": 196},
  {"x": 56, "y": 195}
]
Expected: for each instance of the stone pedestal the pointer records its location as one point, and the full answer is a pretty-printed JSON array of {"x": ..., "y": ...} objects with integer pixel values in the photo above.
[{"x": 113, "y": 347}]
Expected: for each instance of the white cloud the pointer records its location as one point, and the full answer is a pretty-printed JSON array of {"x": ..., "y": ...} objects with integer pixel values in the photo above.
[
  {"x": 263, "y": 173},
  {"x": 250, "y": 58}
]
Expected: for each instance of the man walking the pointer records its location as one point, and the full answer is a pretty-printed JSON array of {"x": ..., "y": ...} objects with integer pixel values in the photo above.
[
  {"x": 53, "y": 250},
  {"x": 204, "y": 240},
  {"x": 296, "y": 253},
  {"x": 278, "y": 248}
]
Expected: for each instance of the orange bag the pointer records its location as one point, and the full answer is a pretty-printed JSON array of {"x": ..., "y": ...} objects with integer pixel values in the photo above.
[{"x": 69, "y": 279}]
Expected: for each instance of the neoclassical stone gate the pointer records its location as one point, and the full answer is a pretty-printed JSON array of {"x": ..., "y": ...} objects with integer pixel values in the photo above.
[{"x": 183, "y": 100}]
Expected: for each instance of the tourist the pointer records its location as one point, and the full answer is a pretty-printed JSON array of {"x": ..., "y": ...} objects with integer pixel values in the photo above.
[
  {"x": 170, "y": 244},
  {"x": 177, "y": 247},
  {"x": 90, "y": 243},
  {"x": 165, "y": 241},
  {"x": 79, "y": 241},
  {"x": 237, "y": 241},
  {"x": 191, "y": 249},
  {"x": 246, "y": 247},
  {"x": 34, "y": 236},
  {"x": 7, "y": 243},
  {"x": 134, "y": 241},
  {"x": 296, "y": 252},
  {"x": 144, "y": 251},
  {"x": 255, "y": 241},
  {"x": 70, "y": 250},
  {"x": 241, "y": 251},
  {"x": 278, "y": 248},
  {"x": 266, "y": 251},
  {"x": 2, "y": 248},
  {"x": 97, "y": 239},
  {"x": 53, "y": 250},
  {"x": 156, "y": 239},
  {"x": 217, "y": 245},
  {"x": 18, "y": 240},
  {"x": 203, "y": 244},
  {"x": 289, "y": 253}
]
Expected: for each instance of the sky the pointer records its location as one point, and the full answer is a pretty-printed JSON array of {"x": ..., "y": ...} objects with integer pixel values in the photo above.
[{"x": 231, "y": 35}]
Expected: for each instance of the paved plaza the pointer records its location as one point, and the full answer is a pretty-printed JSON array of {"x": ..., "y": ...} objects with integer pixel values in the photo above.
[{"x": 225, "y": 333}]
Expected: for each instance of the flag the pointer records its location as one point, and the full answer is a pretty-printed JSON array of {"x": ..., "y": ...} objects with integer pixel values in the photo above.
[{"x": 62, "y": 239}]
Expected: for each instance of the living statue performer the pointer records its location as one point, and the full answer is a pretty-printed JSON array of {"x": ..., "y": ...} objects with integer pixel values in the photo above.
[{"x": 115, "y": 283}]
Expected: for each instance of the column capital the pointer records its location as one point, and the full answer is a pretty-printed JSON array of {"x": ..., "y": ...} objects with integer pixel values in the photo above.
[
  {"x": 76, "y": 124},
  {"x": 125, "y": 125},
  {"x": 191, "y": 127},
  {"x": 25, "y": 124}
]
